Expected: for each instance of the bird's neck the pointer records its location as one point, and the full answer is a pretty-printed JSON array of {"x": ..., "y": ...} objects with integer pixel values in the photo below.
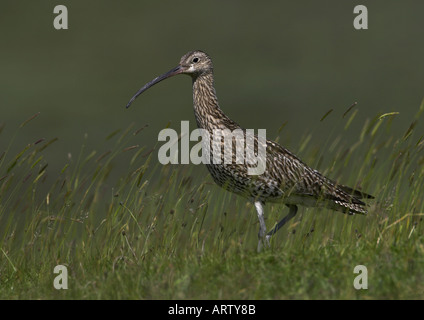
[{"x": 206, "y": 108}]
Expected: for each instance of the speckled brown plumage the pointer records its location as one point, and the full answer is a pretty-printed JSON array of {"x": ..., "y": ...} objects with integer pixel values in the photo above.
[{"x": 286, "y": 178}]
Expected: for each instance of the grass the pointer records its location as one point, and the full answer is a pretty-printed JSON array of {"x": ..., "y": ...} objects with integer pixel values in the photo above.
[{"x": 160, "y": 232}]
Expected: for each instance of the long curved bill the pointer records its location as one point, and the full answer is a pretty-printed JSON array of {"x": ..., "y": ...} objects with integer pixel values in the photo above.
[{"x": 170, "y": 73}]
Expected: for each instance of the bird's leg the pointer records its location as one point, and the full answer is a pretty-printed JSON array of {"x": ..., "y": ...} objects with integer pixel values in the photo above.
[
  {"x": 262, "y": 227},
  {"x": 289, "y": 216}
]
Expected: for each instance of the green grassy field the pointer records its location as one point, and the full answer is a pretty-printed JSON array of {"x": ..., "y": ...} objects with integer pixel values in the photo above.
[{"x": 161, "y": 232}]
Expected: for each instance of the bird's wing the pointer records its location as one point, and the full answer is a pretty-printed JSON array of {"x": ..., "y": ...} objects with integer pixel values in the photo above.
[{"x": 298, "y": 179}]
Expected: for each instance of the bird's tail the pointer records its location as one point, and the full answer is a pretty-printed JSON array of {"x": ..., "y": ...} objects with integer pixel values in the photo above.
[
  {"x": 356, "y": 193},
  {"x": 348, "y": 200}
]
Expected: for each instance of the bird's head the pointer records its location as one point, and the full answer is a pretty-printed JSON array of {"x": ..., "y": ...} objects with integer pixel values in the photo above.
[{"x": 193, "y": 63}]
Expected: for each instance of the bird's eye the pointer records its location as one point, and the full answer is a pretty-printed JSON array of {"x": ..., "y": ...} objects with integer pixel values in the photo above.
[{"x": 195, "y": 60}]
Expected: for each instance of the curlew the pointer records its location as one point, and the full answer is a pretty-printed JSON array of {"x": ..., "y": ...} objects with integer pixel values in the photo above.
[{"x": 286, "y": 179}]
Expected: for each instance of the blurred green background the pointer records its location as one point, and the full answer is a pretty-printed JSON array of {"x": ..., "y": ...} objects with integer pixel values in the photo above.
[{"x": 275, "y": 62}]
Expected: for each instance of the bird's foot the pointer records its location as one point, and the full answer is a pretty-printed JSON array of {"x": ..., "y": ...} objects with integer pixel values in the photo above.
[{"x": 263, "y": 242}]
